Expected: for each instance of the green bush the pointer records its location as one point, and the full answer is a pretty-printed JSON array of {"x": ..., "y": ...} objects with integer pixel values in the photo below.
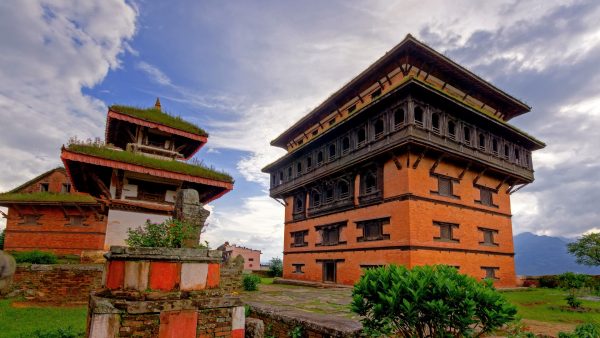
[
  {"x": 56, "y": 333},
  {"x": 427, "y": 301},
  {"x": 549, "y": 282},
  {"x": 276, "y": 267},
  {"x": 572, "y": 282},
  {"x": 250, "y": 282},
  {"x": 168, "y": 234},
  {"x": 35, "y": 257},
  {"x": 588, "y": 330},
  {"x": 2, "y": 240}
]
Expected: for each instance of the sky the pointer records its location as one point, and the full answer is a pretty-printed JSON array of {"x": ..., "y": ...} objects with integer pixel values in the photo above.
[{"x": 245, "y": 71}]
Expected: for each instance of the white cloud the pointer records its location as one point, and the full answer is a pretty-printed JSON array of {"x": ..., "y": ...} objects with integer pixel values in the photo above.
[
  {"x": 50, "y": 52},
  {"x": 154, "y": 73},
  {"x": 256, "y": 223}
]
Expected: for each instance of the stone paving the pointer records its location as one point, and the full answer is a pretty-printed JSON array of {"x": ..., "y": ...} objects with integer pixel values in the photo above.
[{"x": 331, "y": 301}]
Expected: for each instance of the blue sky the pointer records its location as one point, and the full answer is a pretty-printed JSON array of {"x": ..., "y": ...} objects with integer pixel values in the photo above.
[{"x": 245, "y": 71}]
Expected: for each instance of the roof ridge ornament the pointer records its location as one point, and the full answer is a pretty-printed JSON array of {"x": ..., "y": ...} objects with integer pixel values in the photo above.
[{"x": 157, "y": 104}]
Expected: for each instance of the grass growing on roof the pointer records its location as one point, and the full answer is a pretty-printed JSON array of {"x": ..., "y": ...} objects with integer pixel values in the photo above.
[
  {"x": 161, "y": 117},
  {"x": 150, "y": 162},
  {"x": 46, "y": 197}
]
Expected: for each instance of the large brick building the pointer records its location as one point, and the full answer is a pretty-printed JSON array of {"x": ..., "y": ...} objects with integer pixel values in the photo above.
[
  {"x": 412, "y": 162},
  {"x": 131, "y": 177}
]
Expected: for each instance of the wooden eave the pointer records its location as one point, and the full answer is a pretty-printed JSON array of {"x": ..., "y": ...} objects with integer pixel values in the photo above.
[
  {"x": 68, "y": 155},
  {"x": 410, "y": 50},
  {"x": 170, "y": 130}
]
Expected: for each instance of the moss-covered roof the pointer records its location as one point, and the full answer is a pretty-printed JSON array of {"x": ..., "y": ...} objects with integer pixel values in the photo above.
[
  {"x": 150, "y": 162},
  {"x": 46, "y": 197},
  {"x": 158, "y": 116}
]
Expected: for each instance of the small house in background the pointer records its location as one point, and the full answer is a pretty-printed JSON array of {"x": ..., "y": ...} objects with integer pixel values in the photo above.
[{"x": 251, "y": 256}]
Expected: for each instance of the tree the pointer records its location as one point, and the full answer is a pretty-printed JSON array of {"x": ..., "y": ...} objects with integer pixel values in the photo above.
[
  {"x": 427, "y": 301},
  {"x": 572, "y": 282},
  {"x": 276, "y": 267},
  {"x": 587, "y": 249}
]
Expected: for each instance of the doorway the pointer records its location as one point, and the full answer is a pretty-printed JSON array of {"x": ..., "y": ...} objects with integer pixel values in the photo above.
[{"x": 329, "y": 271}]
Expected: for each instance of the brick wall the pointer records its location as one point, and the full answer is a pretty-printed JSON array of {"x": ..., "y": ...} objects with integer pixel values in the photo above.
[{"x": 57, "y": 283}]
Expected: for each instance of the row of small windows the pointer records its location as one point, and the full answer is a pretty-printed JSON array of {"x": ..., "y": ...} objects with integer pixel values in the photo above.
[
  {"x": 73, "y": 220},
  {"x": 446, "y": 189},
  {"x": 372, "y": 230},
  {"x": 423, "y": 118}
]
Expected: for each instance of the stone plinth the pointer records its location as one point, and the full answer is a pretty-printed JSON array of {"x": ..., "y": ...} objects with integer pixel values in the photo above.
[{"x": 160, "y": 292}]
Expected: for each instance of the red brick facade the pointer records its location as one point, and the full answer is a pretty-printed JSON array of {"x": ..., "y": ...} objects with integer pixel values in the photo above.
[{"x": 62, "y": 228}]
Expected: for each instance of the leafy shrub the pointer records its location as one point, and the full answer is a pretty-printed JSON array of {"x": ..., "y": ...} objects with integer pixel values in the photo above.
[
  {"x": 2, "y": 239},
  {"x": 529, "y": 283},
  {"x": 276, "y": 267},
  {"x": 250, "y": 282},
  {"x": 548, "y": 282},
  {"x": 572, "y": 282},
  {"x": 35, "y": 257},
  {"x": 168, "y": 234},
  {"x": 56, "y": 333},
  {"x": 588, "y": 330},
  {"x": 296, "y": 332},
  {"x": 427, "y": 301}
]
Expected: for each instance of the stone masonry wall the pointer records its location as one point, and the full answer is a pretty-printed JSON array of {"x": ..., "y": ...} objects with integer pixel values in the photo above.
[{"x": 63, "y": 283}]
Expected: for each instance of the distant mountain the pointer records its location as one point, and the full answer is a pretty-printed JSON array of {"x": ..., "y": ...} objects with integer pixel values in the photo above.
[{"x": 544, "y": 255}]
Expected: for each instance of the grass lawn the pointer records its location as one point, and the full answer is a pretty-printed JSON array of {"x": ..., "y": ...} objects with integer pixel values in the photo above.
[
  {"x": 266, "y": 280},
  {"x": 21, "y": 322},
  {"x": 546, "y": 305}
]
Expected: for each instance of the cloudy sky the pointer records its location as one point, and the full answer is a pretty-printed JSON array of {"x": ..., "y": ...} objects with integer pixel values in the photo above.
[{"x": 245, "y": 71}]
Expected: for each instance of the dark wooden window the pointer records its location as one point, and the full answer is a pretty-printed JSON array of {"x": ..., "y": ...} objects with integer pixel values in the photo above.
[
  {"x": 299, "y": 238},
  {"x": 446, "y": 232},
  {"x": 486, "y": 196},
  {"x": 370, "y": 183},
  {"x": 467, "y": 135},
  {"x": 66, "y": 188},
  {"x": 495, "y": 147},
  {"x": 250, "y": 259},
  {"x": 345, "y": 145},
  {"x": 372, "y": 230},
  {"x": 298, "y": 268},
  {"x": 44, "y": 187},
  {"x": 379, "y": 129},
  {"x": 506, "y": 151},
  {"x": 490, "y": 272},
  {"x": 280, "y": 177},
  {"x": 329, "y": 195},
  {"x": 481, "y": 140},
  {"x": 319, "y": 158},
  {"x": 419, "y": 117},
  {"x": 289, "y": 173},
  {"x": 452, "y": 130},
  {"x": 371, "y": 266},
  {"x": 315, "y": 199},
  {"x": 151, "y": 191},
  {"x": 376, "y": 94},
  {"x": 76, "y": 220},
  {"x": 351, "y": 109},
  {"x": 330, "y": 233},
  {"x": 299, "y": 203},
  {"x": 517, "y": 156},
  {"x": 435, "y": 123},
  {"x": 308, "y": 163},
  {"x": 332, "y": 151},
  {"x": 361, "y": 137},
  {"x": 398, "y": 118},
  {"x": 343, "y": 189},
  {"x": 298, "y": 169},
  {"x": 488, "y": 236},
  {"x": 30, "y": 219},
  {"x": 445, "y": 186}
]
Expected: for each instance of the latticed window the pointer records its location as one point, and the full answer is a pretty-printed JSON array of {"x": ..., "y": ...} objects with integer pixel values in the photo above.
[
  {"x": 315, "y": 199},
  {"x": 345, "y": 145},
  {"x": 506, "y": 151},
  {"x": 445, "y": 187},
  {"x": 330, "y": 235},
  {"x": 379, "y": 129},
  {"x": 452, "y": 130},
  {"x": 320, "y": 158},
  {"x": 372, "y": 230},
  {"x": 298, "y": 238},
  {"x": 481, "y": 142},
  {"x": 30, "y": 219},
  {"x": 495, "y": 147},
  {"x": 370, "y": 183},
  {"x": 308, "y": 163},
  {"x": 343, "y": 189},
  {"x": 329, "y": 195},
  {"x": 435, "y": 123},
  {"x": 76, "y": 220},
  {"x": 446, "y": 232},
  {"x": 361, "y": 137},
  {"x": 298, "y": 204},
  {"x": 298, "y": 268},
  {"x": 485, "y": 196},
  {"x": 398, "y": 118},
  {"x": 488, "y": 236},
  {"x": 467, "y": 135},
  {"x": 332, "y": 151},
  {"x": 490, "y": 272},
  {"x": 298, "y": 169},
  {"x": 419, "y": 117}
]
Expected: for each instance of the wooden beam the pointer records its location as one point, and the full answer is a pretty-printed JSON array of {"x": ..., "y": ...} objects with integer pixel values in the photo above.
[
  {"x": 105, "y": 191},
  {"x": 130, "y": 135},
  {"x": 519, "y": 188},
  {"x": 437, "y": 162},
  {"x": 444, "y": 85},
  {"x": 339, "y": 113},
  {"x": 476, "y": 179},
  {"x": 416, "y": 164},
  {"x": 62, "y": 208},
  {"x": 360, "y": 98},
  {"x": 388, "y": 79},
  {"x": 5, "y": 215},
  {"x": 397, "y": 162},
  {"x": 501, "y": 183},
  {"x": 462, "y": 174}
]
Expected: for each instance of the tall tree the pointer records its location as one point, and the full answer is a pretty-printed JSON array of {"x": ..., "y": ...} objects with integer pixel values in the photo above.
[{"x": 587, "y": 249}]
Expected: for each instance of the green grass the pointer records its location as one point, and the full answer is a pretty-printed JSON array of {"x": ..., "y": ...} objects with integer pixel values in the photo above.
[
  {"x": 46, "y": 197},
  {"x": 150, "y": 162},
  {"x": 158, "y": 116},
  {"x": 21, "y": 322},
  {"x": 266, "y": 280},
  {"x": 546, "y": 305}
]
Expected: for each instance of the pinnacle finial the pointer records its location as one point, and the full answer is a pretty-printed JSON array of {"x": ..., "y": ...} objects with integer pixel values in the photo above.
[{"x": 157, "y": 104}]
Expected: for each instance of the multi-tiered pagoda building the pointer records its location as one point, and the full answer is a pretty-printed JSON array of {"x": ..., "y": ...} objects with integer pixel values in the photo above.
[{"x": 412, "y": 162}]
